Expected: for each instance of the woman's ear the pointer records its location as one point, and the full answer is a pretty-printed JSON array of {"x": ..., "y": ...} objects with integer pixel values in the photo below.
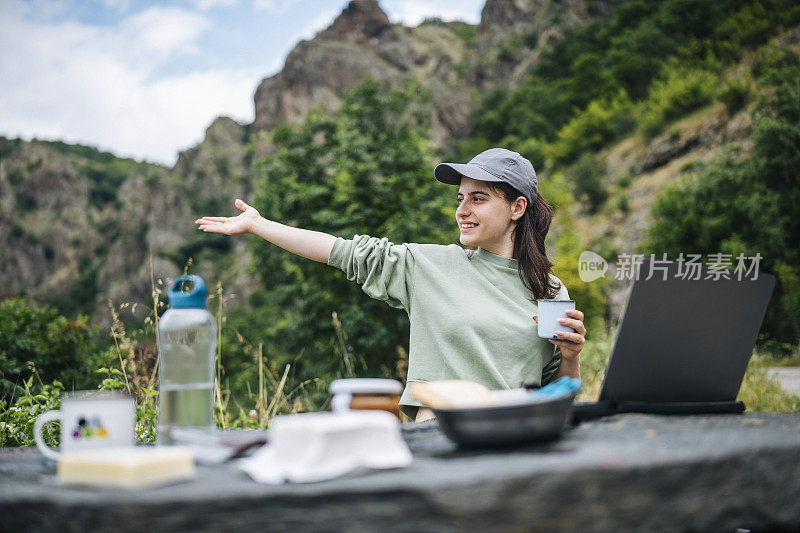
[{"x": 518, "y": 207}]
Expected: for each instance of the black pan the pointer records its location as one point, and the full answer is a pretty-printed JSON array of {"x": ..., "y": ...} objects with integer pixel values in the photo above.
[{"x": 505, "y": 425}]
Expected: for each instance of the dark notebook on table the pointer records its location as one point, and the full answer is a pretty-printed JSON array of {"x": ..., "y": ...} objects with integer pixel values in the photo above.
[{"x": 684, "y": 339}]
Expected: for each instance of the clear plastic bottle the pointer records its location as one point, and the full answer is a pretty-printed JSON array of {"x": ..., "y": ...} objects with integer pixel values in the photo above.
[{"x": 187, "y": 342}]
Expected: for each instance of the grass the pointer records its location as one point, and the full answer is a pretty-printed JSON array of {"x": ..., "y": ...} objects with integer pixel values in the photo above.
[{"x": 760, "y": 392}]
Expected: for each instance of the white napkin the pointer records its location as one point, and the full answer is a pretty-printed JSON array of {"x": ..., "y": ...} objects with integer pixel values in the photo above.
[{"x": 313, "y": 447}]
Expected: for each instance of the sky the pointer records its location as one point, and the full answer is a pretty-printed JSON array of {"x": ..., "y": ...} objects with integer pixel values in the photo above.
[{"x": 144, "y": 78}]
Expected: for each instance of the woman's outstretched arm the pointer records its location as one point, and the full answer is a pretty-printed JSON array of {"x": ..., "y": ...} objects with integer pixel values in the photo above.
[{"x": 313, "y": 245}]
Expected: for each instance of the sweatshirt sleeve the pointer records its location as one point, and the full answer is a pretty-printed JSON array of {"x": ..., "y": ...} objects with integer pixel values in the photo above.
[
  {"x": 384, "y": 270},
  {"x": 551, "y": 367}
]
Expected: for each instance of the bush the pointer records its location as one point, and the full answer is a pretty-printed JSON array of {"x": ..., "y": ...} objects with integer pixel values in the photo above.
[
  {"x": 600, "y": 123},
  {"x": 735, "y": 94},
  {"x": 588, "y": 175},
  {"x": 432, "y": 21},
  {"x": 620, "y": 203},
  {"x": 508, "y": 50},
  {"x": 38, "y": 341},
  {"x": 556, "y": 191},
  {"x": 751, "y": 25},
  {"x": 679, "y": 91},
  {"x": 565, "y": 252},
  {"x": 465, "y": 32},
  {"x": 532, "y": 149},
  {"x": 536, "y": 110},
  {"x": 17, "y": 418},
  {"x": 772, "y": 59}
]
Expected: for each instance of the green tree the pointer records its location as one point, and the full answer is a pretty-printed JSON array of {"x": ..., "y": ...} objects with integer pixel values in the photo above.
[
  {"x": 588, "y": 177},
  {"x": 678, "y": 92},
  {"x": 364, "y": 169},
  {"x": 597, "y": 125},
  {"x": 39, "y": 341}
]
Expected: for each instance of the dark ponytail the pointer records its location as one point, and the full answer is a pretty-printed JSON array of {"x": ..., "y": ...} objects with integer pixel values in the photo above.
[{"x": 529, "y": 251}]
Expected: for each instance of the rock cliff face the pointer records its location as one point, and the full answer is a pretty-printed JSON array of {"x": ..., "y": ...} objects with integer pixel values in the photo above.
[
  {"x": 503, "y": 18},
  {"x": 512, "y": 34},
  {"x": 37, "y": 202},
  {"x": 362, "y": 41},
  {"x": 76, "y": 225}
]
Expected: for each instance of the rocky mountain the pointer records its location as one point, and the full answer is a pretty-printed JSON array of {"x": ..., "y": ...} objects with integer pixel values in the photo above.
[
  {"x": 362, "y": 41},
  {"x": 451, "y": 59},
  {"x": 80, "y": 228},
  {"x": 78, "y": 225}
]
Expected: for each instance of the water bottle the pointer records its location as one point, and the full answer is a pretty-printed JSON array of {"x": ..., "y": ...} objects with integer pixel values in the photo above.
[{"x": 187, "y": 341}]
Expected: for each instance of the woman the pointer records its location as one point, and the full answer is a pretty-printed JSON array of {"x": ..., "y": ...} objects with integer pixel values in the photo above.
[{"x": 470, "y": 310}]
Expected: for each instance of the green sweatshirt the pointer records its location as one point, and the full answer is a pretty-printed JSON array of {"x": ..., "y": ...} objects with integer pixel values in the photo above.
[{"x": 470, "y": 314}]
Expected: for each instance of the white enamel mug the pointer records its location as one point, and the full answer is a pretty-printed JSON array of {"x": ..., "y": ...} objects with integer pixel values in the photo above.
[
  {"x": 89, "y": 420},
  {"x": 549, "y": 313}
]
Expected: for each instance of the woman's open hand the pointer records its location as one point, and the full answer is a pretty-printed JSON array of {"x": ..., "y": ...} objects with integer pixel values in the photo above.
[{"x": 231, "y": 225}]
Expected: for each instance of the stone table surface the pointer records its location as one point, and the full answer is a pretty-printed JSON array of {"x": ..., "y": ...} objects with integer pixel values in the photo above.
[{"x": 622, "y": 473}]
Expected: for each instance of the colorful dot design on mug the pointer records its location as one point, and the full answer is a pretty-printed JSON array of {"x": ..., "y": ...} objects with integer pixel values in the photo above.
[{"x": 89, "y": 428}]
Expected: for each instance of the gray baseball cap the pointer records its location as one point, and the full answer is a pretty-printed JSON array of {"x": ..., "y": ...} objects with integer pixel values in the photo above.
[{"x": 495, "y": 164}]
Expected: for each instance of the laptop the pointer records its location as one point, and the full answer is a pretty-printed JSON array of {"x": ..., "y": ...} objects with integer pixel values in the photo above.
[{"x": 684, "y": 339}]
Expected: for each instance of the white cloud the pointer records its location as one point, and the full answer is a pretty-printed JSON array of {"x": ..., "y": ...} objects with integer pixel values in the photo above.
[
  {"x": 274, "y": 6},
  {"x": 412, "y": 12},
  {"x": 35, "y": 9},
  {"x": 205, "y": 5},
  {"x": 162, "y": 31},
  {"x": 117, "y": 5},
  {"x": 101, "y": 86},
  {"x": 186, "y": 105}
]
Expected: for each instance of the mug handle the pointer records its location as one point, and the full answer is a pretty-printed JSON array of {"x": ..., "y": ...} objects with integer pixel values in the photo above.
[{"x": 38, "y": 426}]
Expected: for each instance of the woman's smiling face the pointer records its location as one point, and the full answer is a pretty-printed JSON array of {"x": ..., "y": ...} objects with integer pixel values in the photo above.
[{"x": 485, "y": 218}]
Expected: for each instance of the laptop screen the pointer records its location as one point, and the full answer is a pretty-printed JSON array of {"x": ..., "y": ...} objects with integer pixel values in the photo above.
[{"x": 685, "y": 338}]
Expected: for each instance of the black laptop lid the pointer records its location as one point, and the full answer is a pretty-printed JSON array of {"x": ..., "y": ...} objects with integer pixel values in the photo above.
[{"x": 685, "y": 340}]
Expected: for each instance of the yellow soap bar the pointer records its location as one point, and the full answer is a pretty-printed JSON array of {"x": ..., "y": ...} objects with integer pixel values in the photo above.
[{"x": 126, "y": 467}]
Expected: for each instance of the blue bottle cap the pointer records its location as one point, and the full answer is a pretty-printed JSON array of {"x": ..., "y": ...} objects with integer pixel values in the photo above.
[{"x": 188, "y": 292}]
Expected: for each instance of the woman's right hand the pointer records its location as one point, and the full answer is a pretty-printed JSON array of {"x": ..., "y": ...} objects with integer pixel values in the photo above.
[
  {"x": 313, "y": 245},
  {"x": 231, "y": 225}
]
